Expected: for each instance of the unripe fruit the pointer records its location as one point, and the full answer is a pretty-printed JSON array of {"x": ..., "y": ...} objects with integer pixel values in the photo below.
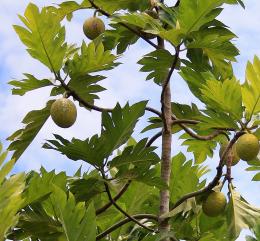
[
  {"x": 232, "y": 152},
  {"x": 215, "y": 204},
  {"x": 247, "y": 147},
  {"x": 63, "y": 112},
  {"x": 93, "y": 27}
]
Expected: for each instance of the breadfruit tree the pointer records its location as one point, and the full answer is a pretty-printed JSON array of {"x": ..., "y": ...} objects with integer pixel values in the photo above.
[{"x": 135, "y": 190}]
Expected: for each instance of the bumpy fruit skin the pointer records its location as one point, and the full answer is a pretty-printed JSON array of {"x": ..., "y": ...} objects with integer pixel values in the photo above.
[
  {"x": 235, "y": 157},
  {"x": 247, "y": 147},
  {"x": 215, "y": 204},
  {"x": 63, "y": 112},
  {"x": 93, "y": 27}
]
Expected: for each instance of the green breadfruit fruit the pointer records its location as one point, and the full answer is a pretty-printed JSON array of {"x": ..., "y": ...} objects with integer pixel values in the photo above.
[
  {"x": 214, "y": 204},
  {"x": 233, "y": 153},
  {"x": 93, "y": 27},
  {"x": 63, "y": 112},
  {"x": 247, "y": 147}
]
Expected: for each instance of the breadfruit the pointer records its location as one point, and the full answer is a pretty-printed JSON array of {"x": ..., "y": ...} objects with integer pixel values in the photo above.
[
  {"x": 63, "y": 112},
  {"x": 214, "y": 204},
  {"x": 233, "y": 153},
  {"x": 93, "y": 27},
  {"x": 247, "y": 147}
]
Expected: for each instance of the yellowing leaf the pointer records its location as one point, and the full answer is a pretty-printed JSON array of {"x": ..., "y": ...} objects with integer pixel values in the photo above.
[
  {"x": 224, "y": 96},
  {"x": 241, "y": 215},
  {"x": 251, "y": 88},
  {"x": 10, "y": 198}
]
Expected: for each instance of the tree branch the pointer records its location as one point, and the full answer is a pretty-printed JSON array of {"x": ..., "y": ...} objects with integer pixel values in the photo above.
[
  {"x": 125, "y": 187},
  {"x": 125, "y": 221},
  {"x": 119, "y": 208},
  {"x": 154, "y": 111},
  {"x": 79, "y": 99},
  {"x": 109, "y": 204},
  {"x": 216, "y": 179},
  {"x": 123, "y": 24},
  {"x": 184, "y": 121},
  {"x": 150, "y": 109},
  {"x": 199, "y": 137},
  {"x": 94, "y": 107},
  {"x": 154, "y": 138}
]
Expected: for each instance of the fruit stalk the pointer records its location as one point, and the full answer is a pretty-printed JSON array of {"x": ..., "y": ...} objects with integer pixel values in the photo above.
[{"x": 229, "y": 164}]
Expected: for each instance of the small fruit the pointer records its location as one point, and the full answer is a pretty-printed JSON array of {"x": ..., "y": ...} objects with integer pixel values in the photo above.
[
  {"x": 215, "y": 204},
  {"x": 63, "y": 112},
  {"x": 247, "y": 147},
  {"x": 93, "y": 27},
  {"x": 233, "y": 153}
]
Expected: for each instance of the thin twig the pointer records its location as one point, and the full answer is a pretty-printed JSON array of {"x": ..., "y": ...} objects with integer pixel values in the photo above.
[
  {"x": 203, "y": 138},
  {"x": 175, "y": 120},
  {"x": 154, "y": 138},
  {"x": 119, "y": 208},
  {"x": 229, "y": 163},
  {"x": 125, "y": 187},
  {"x": 125, "y": 221},
  {"x": 154, "y": 111},
  {"x": 109, "y": 204},
  {"x": 184, "y": 121},
  {"x": 123, "y": 24},
  {"x": 223, "y": 183},
  {"x": 216, "y": 179},
  {"x": 79, "y": 99},
  {"x": 150, "y": 109},
  {"x": 94, "y": 107},
  {"x": 253, "y": 127}
]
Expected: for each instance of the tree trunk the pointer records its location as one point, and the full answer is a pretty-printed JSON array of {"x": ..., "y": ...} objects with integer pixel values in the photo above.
[
  {"x": 166, "y": 158},
  {"x": 164, "y": 225}
]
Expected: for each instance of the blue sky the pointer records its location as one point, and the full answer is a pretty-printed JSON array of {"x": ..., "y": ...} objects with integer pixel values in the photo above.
[{"x": 124, "y": 83}]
